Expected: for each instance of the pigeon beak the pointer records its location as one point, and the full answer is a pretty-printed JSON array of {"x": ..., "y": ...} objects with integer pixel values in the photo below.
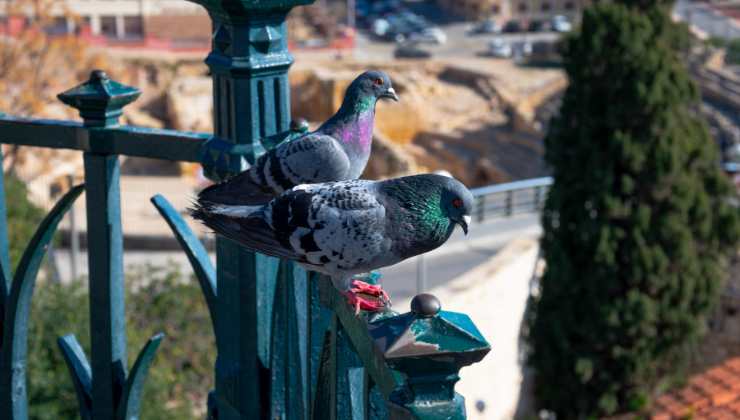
[
  {"x": 464, "y": 223},
  {"x": 390, "y": 93}
]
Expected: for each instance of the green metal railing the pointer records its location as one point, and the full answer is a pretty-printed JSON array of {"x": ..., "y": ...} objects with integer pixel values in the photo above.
[{"x": 289, "y": 347}]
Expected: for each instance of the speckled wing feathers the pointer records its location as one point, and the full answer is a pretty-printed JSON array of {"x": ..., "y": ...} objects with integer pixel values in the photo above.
[
  {"x": 338, "y": 226},
  {"x": 310, "y": 159}
]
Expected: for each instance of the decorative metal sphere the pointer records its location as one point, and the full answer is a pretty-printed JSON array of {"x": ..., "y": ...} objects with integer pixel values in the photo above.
[
  {"x": 98, "y": 75},
  {"x": 425, "y": 305},
  {"x": 299, "y": 124}
]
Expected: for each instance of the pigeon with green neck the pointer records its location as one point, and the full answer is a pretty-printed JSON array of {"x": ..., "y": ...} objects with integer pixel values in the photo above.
[
  {"x": 347, "y": 228},
  {"x": 338, "y": 150}
]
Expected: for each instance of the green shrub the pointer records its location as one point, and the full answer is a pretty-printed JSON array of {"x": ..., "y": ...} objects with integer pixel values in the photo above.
[
  {"x": 637, "y": 224},
  {"x": 23, "y": 217},
  {"x": 182, "y": 372}
]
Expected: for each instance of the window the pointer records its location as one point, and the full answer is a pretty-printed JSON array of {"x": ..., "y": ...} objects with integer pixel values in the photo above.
[
  {"x": 108, "y": 26},
  {"x": 522, "y": 7},
  {"x": 545, "y": 6},
  {"x": 495, "y": 9},
  {"x": 134, "y": 26},
  {"x": 57, "y": 27},
  {"x": 569, "y": 5}
]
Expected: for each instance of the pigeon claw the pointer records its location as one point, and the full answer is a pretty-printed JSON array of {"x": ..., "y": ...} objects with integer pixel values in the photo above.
[{"x": 364, "y": 296}]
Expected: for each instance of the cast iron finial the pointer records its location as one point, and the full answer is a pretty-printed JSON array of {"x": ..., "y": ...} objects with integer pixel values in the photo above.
[
  {"x": 100, "y": 100},
  {"x": 425, "y": 305}
]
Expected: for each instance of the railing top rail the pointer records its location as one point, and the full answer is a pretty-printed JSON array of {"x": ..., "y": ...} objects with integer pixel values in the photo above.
[
  {"x": 511, "y": 186},
  {"x": 118, "y": 140}
]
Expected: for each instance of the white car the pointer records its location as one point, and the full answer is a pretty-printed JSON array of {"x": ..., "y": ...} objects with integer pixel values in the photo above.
[
  {"x": 560, "y": 23},
  {"x": 500, "y": 48},
  {"x": 426, "y": 36},
  {"x": 380, "y": 27}
]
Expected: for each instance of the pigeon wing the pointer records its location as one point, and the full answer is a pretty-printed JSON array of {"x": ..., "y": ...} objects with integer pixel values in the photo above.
[
  {"x": 309, "y": 159},
  {"x": 338, "y": 225}
]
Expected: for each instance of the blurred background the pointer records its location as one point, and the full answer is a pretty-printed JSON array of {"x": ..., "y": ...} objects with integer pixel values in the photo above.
[{"x": 505, "y": 95}]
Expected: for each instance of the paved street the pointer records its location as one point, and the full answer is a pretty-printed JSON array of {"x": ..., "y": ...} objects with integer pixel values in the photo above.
[
  {"x": 456, "y": 257},
  {"x": 458, "y": 45},
  {"x": 706, "y": 19}
]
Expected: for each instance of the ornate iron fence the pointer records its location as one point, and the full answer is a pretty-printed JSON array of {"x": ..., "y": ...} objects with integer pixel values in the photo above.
[{"x": 289, "y": 347}]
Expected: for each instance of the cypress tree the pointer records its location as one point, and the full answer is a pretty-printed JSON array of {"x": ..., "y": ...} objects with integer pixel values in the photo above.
[{"x": 637, "y": 224}]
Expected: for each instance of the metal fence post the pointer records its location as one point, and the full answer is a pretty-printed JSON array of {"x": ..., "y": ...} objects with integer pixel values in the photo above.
[
  {"x": 509, "y": 205},
  {"x": 481, "y": 212},
  {"x": 100, "y": 102},
  {"x": 249, "y": 62}
]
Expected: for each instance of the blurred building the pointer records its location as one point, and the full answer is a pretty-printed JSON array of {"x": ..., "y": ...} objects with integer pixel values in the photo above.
[
  {"x": 163, "y": 23},
  {"x": 522, "y": 11}
]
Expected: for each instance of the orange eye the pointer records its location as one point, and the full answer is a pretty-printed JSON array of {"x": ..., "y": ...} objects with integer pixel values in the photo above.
[
  {"x": 457, "y": 203},
  {"x": 378, "y": 82}
]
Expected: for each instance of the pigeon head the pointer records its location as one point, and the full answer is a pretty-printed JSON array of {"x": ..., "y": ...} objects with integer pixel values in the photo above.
[
  {"x": 374, "y": 84},
  {"x": 456, "y": 202},
  {"x": 432, "y": 203}
]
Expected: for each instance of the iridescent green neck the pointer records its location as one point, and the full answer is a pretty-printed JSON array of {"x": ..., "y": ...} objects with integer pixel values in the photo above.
[{"x": 419, "y": 201}]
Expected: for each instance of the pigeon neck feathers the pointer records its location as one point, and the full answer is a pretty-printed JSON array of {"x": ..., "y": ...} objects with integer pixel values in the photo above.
[
  {"x": 352, "y": 125},
  {"x": 414, "y": 203}
]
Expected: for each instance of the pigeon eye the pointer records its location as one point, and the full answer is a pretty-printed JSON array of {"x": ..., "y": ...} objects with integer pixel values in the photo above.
[
  {"x": 378, "y": 82},
  {"x": 457, "y": 203}
]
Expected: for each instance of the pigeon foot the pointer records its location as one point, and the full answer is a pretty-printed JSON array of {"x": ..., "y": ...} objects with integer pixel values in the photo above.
[{"x": 367, "y": 297}]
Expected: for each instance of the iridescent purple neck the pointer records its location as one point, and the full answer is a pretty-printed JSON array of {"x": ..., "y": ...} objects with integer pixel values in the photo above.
[{"x": 353, "y": 124}]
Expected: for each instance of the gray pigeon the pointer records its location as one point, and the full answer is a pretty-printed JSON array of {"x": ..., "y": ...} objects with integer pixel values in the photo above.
[
  {"x": 348, "y": 227},
  {"x": 337, "y": 151}
]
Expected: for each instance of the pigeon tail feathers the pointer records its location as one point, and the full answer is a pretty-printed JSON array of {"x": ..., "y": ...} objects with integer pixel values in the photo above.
[
  {"x": 241, "y": 190},
  {"x": 251, "y": 231}
]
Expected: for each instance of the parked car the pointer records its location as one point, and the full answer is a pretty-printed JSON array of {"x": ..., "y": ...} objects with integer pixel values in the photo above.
[
  {"x": 500, "y": 48},
  {"x": 512, "y": 26},
  {"x": 488, "y": 26},
  {"x": 425, "y": 36},
  {"x": 539, "y": 26},
  {"x": 561, "y": 23},
  {"x": 411, "y": 50}
]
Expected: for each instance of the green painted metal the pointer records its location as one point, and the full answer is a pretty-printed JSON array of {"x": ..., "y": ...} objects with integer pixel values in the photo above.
[
  {"x": 130, "y": 402},
  {"x": 430, "y": 347},
  {"x": 194, "y": 249},
  {"x": 79, "y": 370},
  {"x": 129, "y": 141},
  {"x": 100, "y": 100},
  {"x": 289, "y": 347},
  {"x": 5, "y": 268},
  {"x": 13, "y": 401}
]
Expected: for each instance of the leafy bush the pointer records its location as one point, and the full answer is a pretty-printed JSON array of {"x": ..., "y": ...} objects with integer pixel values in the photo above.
[
  {"x": 159, "y": 300},
  {"x": 23, "y": 217},
  {"x": 637, "y": 224}
]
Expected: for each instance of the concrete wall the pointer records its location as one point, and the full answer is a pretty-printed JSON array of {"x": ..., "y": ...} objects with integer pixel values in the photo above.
[{"x": 494, "y": 295}]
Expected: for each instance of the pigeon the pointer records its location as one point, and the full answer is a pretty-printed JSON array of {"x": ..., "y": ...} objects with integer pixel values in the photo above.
[
  {"x": 336, "y": 151},
  {"x": 346, "y": 228}
]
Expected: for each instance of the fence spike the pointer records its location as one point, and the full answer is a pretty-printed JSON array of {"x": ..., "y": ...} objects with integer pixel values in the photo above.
[
  {"x": 13, "y": 400},
  {"x": 128, "y": 406},
  {"x": 194, "y": 249},
  {"x": 79, "y": 369}
]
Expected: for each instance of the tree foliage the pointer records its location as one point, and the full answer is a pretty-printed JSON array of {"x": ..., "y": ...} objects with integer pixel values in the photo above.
[
  {"x": 36, "y": 64},
  {"x": 23, "y": 217},
  {"x": 637, "y": 224},
  {"x": 182, "y": 372}
]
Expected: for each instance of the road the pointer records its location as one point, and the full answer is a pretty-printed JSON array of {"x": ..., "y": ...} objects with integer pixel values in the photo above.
[
  {"x": 707, "y": 19},
  {"x": 459, "y": 255},
  {"x": 459, "y": 44},
  {"x": 456, "y": 257}
]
